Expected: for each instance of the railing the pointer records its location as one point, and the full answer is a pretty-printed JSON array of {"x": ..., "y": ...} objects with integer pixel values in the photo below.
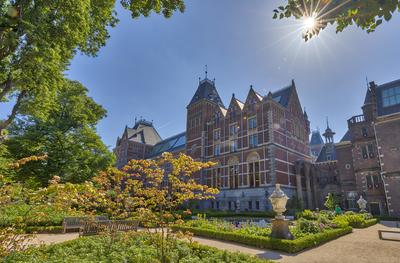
[{"x": 356, "y": 119}]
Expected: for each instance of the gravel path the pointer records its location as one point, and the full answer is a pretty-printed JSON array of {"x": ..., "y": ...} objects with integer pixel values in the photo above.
[{"x": 362, "y": 246}]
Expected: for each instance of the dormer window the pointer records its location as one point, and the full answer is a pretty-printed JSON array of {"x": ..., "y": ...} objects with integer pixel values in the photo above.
[{"x": 391, "y": 96}]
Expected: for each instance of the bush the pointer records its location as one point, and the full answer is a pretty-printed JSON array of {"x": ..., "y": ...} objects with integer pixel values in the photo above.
[
  {"x": 42, "y": 215},
  {"x": 269, "y": 214},
  {"x": 130, "y": 247},
  {"x": 291, "y": 246}
]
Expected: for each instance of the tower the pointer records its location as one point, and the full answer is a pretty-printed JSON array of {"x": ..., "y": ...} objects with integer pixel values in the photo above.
[
  {"x": 328, "y": 134},
  {"x": 203, "y": 107}
]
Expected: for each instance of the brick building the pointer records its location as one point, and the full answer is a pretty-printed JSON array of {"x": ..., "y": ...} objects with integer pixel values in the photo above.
[{"x": 264, "y": 140}]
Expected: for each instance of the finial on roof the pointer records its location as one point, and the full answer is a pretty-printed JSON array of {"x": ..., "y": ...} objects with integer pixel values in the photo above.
[
  {"x": 327, "y": 122},
  {"x": 135, "y": 119},
  {"x": 206, "y": 71},
  {"x": 233, "y": 95},
  {"x": 214, "y": 81},
  {"x": 269, "y": 95},
  {"x": 293, "y": 84},
  {"x": 199, "y": 79}
]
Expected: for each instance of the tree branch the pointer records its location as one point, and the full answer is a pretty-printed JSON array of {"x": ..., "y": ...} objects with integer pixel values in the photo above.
[
  {"x": 7, "y": 88},
  {"x": 4, "y": 124}
]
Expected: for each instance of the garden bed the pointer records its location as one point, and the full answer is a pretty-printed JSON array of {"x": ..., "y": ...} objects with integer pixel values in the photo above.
[
  {"x": 291, "y": 246},
  {"x": 130, "y": 247}
]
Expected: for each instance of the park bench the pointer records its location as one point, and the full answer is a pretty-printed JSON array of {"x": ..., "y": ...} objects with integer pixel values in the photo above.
[
  {"x": 389, "y": 235},
  {"x": 93, "y": 228},
  {"x": 75, "y": 223}
]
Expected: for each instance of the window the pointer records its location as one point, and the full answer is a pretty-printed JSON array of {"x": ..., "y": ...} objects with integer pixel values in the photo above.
[
  {"x": 234, "y": 145},
  {"x": 216, "y": 177},
  {"x": 351, "y": 200},
  {"x": 217, "y": 205},
  {"x": 234, "y": 176},
  {"x": 229, "y": 205},
  {"x": 212, "y": 204},
  {"x": 224, "y": 180},
  {"x": 391, "y": 96},
  {"x": 258, "y": 205},
  {"x": 233, "y": 115},
  {"x": 252, "y": 123},
  {"x": 250, "y": 205},
  {"x": 364, "y": 152},
  {"x": 217, "y": 135},
  {"x": 371, "y": 151},
  {"x": 364, "y": 132},
  {"x": 217, "y": 149},
  {"x": 253, "y": 140},
  {"x": 233, "y": 129},
  {"x": 243, "y": 179},
  {"x": 254, "y": 174},
  {"x": 373, "y": 181}
]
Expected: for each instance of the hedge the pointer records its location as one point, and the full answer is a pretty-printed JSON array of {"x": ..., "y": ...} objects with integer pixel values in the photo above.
[
  {"x": 234, "y": 214},
  {"x": 367, "y": 223},
  {"x": 291, "y": 246}
]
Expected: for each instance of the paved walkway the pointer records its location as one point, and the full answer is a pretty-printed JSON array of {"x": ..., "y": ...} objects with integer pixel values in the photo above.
[{"x": 362, "y": 246}]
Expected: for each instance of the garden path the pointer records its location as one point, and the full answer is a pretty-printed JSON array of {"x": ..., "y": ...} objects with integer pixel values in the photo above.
[{"x": 362, "y": 246}]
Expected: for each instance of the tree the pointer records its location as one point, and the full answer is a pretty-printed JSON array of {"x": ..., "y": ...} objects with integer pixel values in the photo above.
[
  {"x": 67, "y": 137},
  {"x": 331, "y": 201},
  {"x": 367, "y": 14},
  {"x": 152, "y": 191},
  {"x": 38, "y": 39}
]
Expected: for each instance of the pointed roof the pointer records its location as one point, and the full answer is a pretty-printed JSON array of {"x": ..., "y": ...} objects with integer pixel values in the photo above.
[
  {"x": 327, "y": 153},
  {"x": 316, "y": 138},
  {"x": 234, "y": 100},
  {"x": 346, "y": 137},
  {"x": 368, "y": 97},
  {"x": 143, "y": 132},
  {"x": 282, "y": 96},
  {"x": 207, "y": 90}
]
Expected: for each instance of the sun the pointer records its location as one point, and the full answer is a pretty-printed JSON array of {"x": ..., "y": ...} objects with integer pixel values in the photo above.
[{"x": 309, "y": 23}]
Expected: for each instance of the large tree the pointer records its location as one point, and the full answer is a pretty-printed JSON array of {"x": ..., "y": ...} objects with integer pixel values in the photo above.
[
  {"x": 367, "y": 14},
  {"x": 67, "y": 137},
  {"x": 38, "y": 39}
]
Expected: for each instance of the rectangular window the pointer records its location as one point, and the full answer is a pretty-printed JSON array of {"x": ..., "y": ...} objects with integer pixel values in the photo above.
[
  {"x": 253, "y": 140},
  {"x": 234, "y": 176},
  {"x": 364, "y": 152},
  {"x": 252, "y": 123},
  {"x": 391, "y": 96},
  {"x": 250, "y": 205},
  {"x": 216, "y": 177},
  {"x": 371, "y": 151},
  {"x": 217, "y": 149},
  {"x": 254, "y": 174},
  {"x": 365, "y": 132},
  {"x": 233, "y": 129},
  {"x": 243, "y": 178},
  {"x": 370, "y": 183},
  {"x": 217, "y": 135},
  {"x": 234, "y": 145},
  {"x": 229, "y": 205},
  {"x": 224, "y": 180},
  {"x": 258, "y": 205}
]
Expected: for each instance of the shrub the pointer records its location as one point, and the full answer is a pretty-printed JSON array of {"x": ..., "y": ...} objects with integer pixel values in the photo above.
[
  {"x": 130, "y": 247},
  {"x": 291, "y": 246}
]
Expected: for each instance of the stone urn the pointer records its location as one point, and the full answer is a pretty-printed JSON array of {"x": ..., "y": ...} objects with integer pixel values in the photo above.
[
  {"x": 280, "y": 225},
  {"x": 278, "y": 200},
  {"x": 362, "y": 203}
]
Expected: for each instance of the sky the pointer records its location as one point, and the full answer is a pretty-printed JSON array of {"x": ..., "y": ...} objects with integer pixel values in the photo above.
[{"x": 150, "y": 67}]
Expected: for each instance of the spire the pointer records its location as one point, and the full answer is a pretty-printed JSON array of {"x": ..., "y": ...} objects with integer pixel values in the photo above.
[{"x": 328, "y": 133}]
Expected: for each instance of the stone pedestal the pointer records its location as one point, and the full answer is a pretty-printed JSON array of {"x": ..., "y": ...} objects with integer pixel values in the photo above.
[{"x": 280, "y": 229}]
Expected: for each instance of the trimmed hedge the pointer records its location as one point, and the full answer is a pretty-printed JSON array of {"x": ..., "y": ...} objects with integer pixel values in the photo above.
[
  {"x": 234, "y": 214},
  {"x": 291, "y": 246},
  {"x": 367, "y": 223}
]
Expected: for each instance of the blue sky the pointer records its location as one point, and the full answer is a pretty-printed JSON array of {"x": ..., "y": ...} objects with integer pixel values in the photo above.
[{"x": 150, "y": 66}]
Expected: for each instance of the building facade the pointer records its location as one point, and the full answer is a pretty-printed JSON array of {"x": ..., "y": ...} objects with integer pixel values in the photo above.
[{"x": 264, "y": 140}]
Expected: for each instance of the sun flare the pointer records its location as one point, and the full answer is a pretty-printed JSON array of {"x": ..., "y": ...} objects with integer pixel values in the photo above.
[{"x": 309, "y": 23}]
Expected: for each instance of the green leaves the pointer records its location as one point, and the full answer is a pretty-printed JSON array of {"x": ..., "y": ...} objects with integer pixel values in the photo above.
[{"x": 367, "y": 14}]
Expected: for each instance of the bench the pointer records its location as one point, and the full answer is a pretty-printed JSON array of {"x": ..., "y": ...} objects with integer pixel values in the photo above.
[
  {"x": 389, "y": 235},
  {"x": 93, "y": 228},
  {"x": 75, "y": 223}
]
